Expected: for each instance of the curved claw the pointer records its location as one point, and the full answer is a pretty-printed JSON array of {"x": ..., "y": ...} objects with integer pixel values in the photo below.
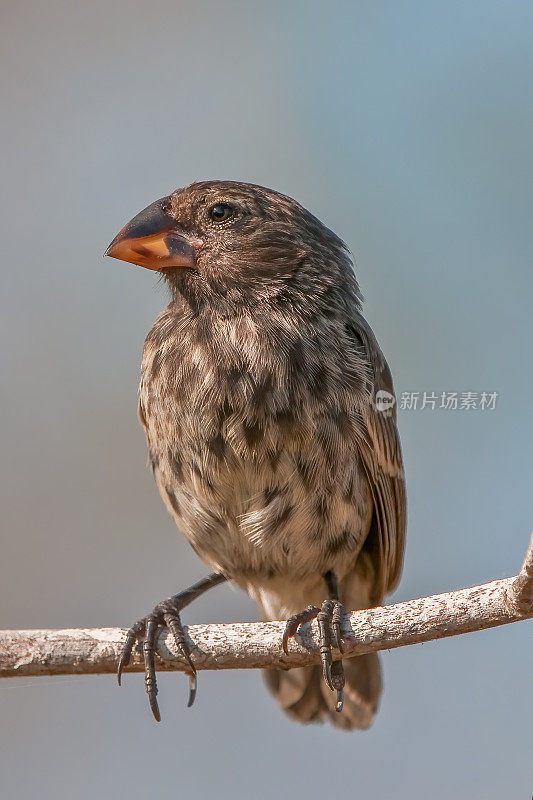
[
  {"x": 123, "y": 662},
  {"x": 290, "y": 629},
  {"x": 125, "y": 655},
  {"x": 193, "y": 684},
  {"x": 173, "y": 623},
  {"x": 187, "y": 656},
  {"x": 154, "y": 706},
  {"x": 337, "y": 679},
  {"x": 326, "y": 673},
  {"x": 294, "y": 622}
]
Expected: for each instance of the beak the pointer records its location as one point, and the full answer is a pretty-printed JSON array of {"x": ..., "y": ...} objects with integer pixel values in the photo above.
[{"x": 154, "y": 240}]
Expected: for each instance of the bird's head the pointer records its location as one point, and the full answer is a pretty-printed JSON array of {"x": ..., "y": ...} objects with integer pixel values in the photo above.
[{"x": 219, "y": 241}]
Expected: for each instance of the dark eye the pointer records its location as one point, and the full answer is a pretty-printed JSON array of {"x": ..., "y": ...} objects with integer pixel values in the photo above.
[{"x": 221, "y": 212}]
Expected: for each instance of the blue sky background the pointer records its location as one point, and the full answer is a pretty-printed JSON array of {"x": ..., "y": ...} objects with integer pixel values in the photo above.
[{"x": 406, "y": 127}]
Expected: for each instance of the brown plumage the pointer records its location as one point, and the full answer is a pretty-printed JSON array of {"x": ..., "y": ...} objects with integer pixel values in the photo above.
[{"x": 257, "y": 397}]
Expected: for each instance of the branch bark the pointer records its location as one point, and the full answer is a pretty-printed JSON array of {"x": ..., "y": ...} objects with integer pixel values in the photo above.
[{"x": 254, "y": 645}]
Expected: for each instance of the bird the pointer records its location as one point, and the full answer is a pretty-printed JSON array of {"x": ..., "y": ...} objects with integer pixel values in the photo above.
[{"x": 270, "y": 419}]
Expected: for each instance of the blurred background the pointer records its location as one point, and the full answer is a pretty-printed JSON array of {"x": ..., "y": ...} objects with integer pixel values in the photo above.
[{"x": 407, "y": 128}]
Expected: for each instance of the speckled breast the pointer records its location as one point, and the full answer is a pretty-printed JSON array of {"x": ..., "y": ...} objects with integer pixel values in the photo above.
[{"x": 254, "y": 448}]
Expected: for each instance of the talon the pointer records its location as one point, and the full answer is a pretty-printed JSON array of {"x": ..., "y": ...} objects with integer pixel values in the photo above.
[
  {"x": 155, "y": 708},
  {"x": 294, "y": 622},
  {"x": 192, "y": 689},
  {"x": 127, "y": 650},
  {"x": 326, "y": 673},
  {"x": 123, "y": 662},
  {"x": 288, "y": 633},
  {"x": 329, "y": 619},
  {"x": 187, "y": 657},
  {"x": 166, "y": 613}
]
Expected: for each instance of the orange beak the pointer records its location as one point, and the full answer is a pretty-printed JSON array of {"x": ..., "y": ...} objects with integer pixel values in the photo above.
[{"x": 154, "y": 240}]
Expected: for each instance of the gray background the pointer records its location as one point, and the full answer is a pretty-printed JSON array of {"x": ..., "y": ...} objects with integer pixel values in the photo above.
[{"x": 405, "y": 126}]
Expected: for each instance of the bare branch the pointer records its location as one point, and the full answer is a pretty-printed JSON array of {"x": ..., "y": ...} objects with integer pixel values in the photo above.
[{"x": 253, "y": 645}]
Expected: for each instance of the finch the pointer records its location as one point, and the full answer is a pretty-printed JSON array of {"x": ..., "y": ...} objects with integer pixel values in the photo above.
[{"x": 269, "y": 414}]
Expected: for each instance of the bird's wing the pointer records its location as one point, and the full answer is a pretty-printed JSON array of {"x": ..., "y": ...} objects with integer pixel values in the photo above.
[{"x": 380, "y": 448}]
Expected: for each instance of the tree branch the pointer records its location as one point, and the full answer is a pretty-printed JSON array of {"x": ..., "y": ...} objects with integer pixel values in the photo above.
[{"x": 253, "y": 645}]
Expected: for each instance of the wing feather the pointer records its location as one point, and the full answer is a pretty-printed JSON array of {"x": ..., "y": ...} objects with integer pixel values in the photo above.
[{"x": 379, "y": 444}]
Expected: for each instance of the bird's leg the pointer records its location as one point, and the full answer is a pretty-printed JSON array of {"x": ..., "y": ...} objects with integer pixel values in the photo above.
[
  {"x": 166, "y": 613},
  {"x": 329, "y": 619},
  {"x": 336, "y": 671}
]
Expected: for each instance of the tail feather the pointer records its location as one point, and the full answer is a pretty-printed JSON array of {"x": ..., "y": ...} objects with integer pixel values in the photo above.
[{"x": 304, "y": 696}]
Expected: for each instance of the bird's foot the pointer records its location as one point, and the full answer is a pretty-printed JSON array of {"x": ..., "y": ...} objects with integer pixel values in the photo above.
[
  {"x": 165, "y": 614},
  {"x": 329, "y": 618}
]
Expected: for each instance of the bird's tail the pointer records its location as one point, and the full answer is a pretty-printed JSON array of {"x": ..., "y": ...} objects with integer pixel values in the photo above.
[{"x": 305, "y": 697}]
